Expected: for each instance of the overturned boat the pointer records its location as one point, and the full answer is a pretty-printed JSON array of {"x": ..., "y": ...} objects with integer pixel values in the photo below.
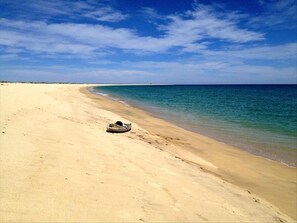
[{"x": 119, "y": 127}]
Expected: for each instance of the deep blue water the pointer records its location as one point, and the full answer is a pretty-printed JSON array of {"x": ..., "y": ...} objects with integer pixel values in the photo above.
[{"x": 261, "y": 119}]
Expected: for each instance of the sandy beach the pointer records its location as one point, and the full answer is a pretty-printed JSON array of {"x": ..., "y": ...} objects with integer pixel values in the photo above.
[{"x": 58, "y": 164}]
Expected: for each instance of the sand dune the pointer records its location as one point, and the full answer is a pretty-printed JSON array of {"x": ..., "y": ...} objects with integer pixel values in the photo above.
[{"x": 58, "y": 164}]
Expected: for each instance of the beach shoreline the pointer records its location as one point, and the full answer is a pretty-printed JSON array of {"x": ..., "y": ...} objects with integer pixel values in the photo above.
[
  {"x": 259, "y": 169},
  {"x": 58, "y": 164},
  {"x": 283, "y": 156}
]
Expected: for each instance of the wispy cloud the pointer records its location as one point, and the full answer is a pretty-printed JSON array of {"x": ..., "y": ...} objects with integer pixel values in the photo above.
[
  {"x": 280, "y": 53},
  {"x": 106, "y": 14},
  {"x": 216, "y": 71},
  {"x": 188, "y": 31},
  {"x": 203, "y": 23},
  {"x": 40, "y": 40},
  {"x": 276, "y": 14},
  {"x": 201, "y": 72},
  {"x": 62, "y": 74},
  {"x": 67, "y": 10},
  {"x": 151, "y": 14},
  {"x": 212, "y": 42}
]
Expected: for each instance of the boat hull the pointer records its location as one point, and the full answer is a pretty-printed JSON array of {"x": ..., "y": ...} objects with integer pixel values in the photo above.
[{"x": 113, "y": 128}]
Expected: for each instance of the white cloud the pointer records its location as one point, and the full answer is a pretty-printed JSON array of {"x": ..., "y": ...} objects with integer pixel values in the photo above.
[
  {"x": 276, "y": 14},
  {"x": 67, "y": 74},
  {"x": 216, "y": 72},
  {"x": 203, "y": 23},
  {"x": 67, "y": 10},
  {"x": 151, "y": 14},
  {"x": 206, "y": 72},
  {"x": 277, "y": 52},
  {"x": 42, "y": 43},
  {"x": 8, "y": 57},
  {"x": 106, "y": 14},
  {"x": 191, "y": 32},
  {"x": 72, "y": 38}
]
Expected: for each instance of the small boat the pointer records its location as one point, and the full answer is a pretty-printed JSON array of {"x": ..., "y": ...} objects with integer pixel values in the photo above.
[{"x": 119, "y": 127}]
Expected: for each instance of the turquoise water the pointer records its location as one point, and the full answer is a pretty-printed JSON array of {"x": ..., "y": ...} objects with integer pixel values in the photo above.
[{"x": 261, "y": 119}]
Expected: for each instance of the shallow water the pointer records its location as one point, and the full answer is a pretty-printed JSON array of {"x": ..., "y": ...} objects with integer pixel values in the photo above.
[{"x": 260, "y": 119}]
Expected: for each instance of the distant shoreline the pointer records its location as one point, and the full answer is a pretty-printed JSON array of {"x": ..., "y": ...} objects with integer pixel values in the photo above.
[{"x": 98, "y": 84}]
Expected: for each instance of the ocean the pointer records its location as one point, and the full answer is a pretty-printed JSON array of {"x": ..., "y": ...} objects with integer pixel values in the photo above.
[{"x": 260, "y": 119}]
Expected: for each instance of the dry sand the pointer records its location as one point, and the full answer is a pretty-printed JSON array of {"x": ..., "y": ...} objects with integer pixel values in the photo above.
[{"x": 58, "y": 164}]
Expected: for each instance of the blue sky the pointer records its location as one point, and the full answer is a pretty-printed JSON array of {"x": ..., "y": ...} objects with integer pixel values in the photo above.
[{"x": 147, "y": 41}]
